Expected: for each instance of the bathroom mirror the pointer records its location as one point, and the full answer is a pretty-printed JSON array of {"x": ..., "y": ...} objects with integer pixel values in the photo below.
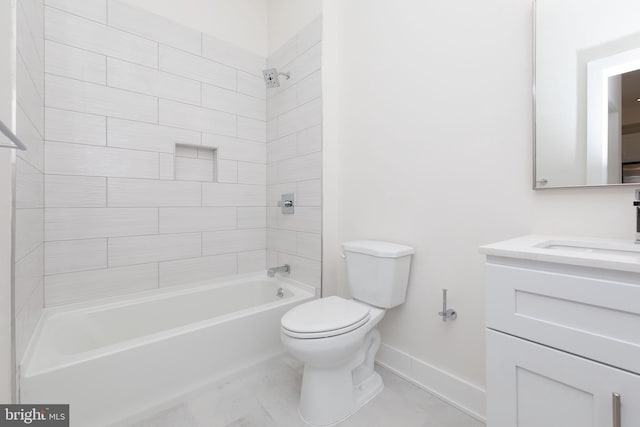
[{"x": 586, "y": 92}]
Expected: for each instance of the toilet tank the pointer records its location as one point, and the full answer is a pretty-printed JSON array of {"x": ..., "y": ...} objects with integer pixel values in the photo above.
[{"x": 378, "y": 272}]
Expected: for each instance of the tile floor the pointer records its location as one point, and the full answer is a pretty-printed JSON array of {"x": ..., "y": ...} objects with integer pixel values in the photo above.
[{"x": 266, "y": 395}]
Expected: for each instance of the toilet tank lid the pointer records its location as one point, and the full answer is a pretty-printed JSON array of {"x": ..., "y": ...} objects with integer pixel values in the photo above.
[{"x": 377, "y": 248}]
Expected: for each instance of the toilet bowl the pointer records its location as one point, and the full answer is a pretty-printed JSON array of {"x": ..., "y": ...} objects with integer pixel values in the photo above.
[
  {"x": 336, "y": 338},
  {"x": 338, "y": 357}
]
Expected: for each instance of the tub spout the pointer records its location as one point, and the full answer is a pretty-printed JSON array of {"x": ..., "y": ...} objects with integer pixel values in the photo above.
[{"x": 282, "y": 269}]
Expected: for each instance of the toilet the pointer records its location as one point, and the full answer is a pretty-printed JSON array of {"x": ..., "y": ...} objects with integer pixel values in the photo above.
[{"x": 336, "y": 338}]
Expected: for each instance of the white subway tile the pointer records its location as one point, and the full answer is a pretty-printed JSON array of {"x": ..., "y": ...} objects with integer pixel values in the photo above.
[
  {"x": 188, "y": 169},
  {"x": 300, "y": 168},
  {"x": 27, "y": 318},
  {"x": 75, "y": 63},
  {"x": 272, "y": 173},
  {"x": 28, "y": 133},
  {"x": 282, "y": 240},
  {"x": 95, "y": 10},
  {"x": 221, "y": 242},
  {"x": 195, "y": 270},
  {"x": 78, "y": 32},
  {"x": 89, "y": 223},
  {"x": 28, "y": 97},
  {"x": 282, "y": 148},
  {"x": 144, "y": 136},
  {"x": 154, "y": 27},
  {"x": 251, "y": 84},
  {"x": 227, "y": 171},
  {"x": 302, "y": 269},
  {"x": 309, "y": 193},
  {"x": 272, "y": 217},
  {"x": 87, "y": 285},
  {"x": 310, "y": 88},
  {"x": 28, "y": 276},
  {"x": 186, "y": 151},
  {"x": 309, "y": 245},
  {"x": 252, "y": 217},
  {"x": 196, "y": 67},
  {"x": 29, "y": 186},
  {"x": 206, "y": 153},
  {"x": 252, "y": 173},
  {"x": 33, "y": 13},
  {"x": 75, "y": 159},
  {"x": 69, "y": 94},
  {"x": 272, "y": 258},
  {"x": 75, "y": 191},
  {"x": 307, "y": 219},
  {"x": 28, "y": 47},
  {"x": 233, "y": 102},
  {"x": 284, "y": 101},
  {"x": 219, "y": 194},
  {"x": 152, "y": 193},
  {"x": 230, "y": 148},
  {"x": 29, "y": 231},
  {"x": 167, "y": 166},
  {"x": 284, "y": 55},
  {"x": 249, "y": 262},
  {"x": 310, "y": 35},
  {"x": 272, "y": 130},
  {"x": 228, "y": 54},
  {"x": 144, "y": 249},
  {"x": 80, "y": 128},
  {"x": 310, "y": 140},
  {"x": 185, "y": 220},
  {"x": 305, "y": 116},
  {"x": 255, "y": 130},
  {"x": 137, "y": 78},
  {"x": 75, "y": 255},
  {"x": 196, "y": 118}
]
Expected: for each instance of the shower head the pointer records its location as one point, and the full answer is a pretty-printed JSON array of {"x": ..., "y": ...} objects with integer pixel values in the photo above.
[{"x": 271, "y": 77}]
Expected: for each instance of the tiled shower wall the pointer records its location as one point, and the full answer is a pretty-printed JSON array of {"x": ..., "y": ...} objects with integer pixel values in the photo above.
[
  {"x": 29, "y": 202},
  {"x": 294, "y": 156},
  {"x": 126, "y": 211}
]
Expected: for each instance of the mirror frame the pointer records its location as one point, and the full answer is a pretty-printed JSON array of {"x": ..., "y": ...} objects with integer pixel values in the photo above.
[{"x": 534, "y": 122}]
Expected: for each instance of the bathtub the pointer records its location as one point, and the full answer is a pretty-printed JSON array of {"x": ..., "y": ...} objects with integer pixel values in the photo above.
[{"x": 128, "y": 355}]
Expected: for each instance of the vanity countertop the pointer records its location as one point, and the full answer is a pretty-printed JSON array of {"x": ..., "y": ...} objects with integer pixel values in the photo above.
[{"x": 610, "y": 254}]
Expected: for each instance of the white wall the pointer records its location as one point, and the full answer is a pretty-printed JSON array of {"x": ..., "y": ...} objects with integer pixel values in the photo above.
[
  {"x": 7, "y": 46},
  {"x": 241, "y": 22},
  {"x": 433, "y": 149},
  {"x": 287, "y": 17}
]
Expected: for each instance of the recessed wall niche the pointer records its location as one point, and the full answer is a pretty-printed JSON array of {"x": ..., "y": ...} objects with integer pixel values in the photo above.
[{"x": 195, "y": 163}]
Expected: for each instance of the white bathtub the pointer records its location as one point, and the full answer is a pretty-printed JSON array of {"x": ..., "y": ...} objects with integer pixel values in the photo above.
[{"x": 127, "y": 355}]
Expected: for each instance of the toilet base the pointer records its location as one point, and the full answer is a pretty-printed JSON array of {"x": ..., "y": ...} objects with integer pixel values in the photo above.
[
  {"x": 364, "y": 393},
  {"x": 331, "y": 394}
]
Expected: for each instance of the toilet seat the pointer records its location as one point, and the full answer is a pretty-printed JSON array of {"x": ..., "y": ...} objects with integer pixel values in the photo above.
[{"x": 326, "y": 317}]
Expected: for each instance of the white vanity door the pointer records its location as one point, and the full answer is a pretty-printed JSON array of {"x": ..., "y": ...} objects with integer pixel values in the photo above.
[{"x": 530, "y": 385}]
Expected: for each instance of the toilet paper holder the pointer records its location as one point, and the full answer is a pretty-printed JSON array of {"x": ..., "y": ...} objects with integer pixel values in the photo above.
[{"x": 447, "y": 313}]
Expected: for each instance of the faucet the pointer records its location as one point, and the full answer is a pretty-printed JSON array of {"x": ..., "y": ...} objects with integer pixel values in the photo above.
[
  {"x": 636, "y": 203},
  {"x": 282, "y": 269}
]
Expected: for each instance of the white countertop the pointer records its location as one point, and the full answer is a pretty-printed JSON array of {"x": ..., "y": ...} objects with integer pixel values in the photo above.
[{"x": 610, "y": 254}]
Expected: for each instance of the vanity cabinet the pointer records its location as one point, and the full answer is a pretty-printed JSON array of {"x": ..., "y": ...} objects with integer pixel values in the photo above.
[
  {"x": 563, "y": 339},
  {"x": 531, "y": 385}
]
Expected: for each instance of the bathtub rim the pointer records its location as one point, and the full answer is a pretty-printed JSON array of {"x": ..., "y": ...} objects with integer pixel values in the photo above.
[{"x": 300, "y": 291}]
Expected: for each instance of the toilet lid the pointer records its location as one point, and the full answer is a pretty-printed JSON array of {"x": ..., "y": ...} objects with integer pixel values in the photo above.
[{"x": 325, "y": 317}]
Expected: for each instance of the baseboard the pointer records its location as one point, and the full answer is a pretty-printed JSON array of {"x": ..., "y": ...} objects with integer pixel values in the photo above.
[{"x": 465, "y": 396}]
